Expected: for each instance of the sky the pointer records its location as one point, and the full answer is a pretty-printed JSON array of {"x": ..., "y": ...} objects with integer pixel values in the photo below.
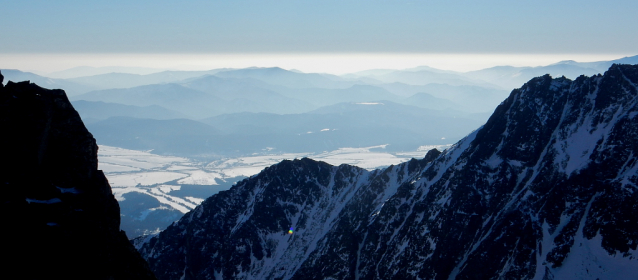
[{"x": 327, "y": 34}]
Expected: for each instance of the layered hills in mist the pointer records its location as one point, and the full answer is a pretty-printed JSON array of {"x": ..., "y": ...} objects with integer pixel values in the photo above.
[{"x": 437, "y": 106}]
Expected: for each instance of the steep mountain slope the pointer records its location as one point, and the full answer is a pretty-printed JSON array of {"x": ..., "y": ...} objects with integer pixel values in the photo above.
[
  {"x": 546, "y": 189},
  {"x": 60, "y": 218}
]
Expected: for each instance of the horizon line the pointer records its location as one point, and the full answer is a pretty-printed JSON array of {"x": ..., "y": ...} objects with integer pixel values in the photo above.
[{"x": 331, "y": 63}]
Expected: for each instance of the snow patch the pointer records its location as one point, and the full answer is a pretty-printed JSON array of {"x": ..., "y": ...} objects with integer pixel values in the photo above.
[{"x": 43, "y": 201}]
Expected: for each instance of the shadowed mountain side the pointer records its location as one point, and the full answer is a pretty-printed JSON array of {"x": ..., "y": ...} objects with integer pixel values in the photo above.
[
  {"x": 98, "y": 110},
  {"x": 71, "y": 88}
]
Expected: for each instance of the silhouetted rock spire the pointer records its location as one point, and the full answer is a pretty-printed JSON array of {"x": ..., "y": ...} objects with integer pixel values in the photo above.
[{"x": 60, "y": 218}]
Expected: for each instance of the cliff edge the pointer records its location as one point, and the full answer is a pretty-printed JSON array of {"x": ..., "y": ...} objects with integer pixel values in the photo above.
[{"x": 60, "y": 217}]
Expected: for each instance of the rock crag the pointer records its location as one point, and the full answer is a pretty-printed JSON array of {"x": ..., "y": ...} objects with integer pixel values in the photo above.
[{"x": 60, "y": 218}]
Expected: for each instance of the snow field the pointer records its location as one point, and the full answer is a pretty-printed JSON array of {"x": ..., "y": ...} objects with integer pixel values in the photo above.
[{"x": 155, "y": 175}]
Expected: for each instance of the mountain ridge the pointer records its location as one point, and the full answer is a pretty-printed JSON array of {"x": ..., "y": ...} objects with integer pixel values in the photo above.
[{"x": 528, "y": 195}]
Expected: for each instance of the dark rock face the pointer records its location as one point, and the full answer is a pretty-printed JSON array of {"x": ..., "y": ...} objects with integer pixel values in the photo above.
[
  {"x": 60, "y": 218},
  {"x": 546, "y": 189}
]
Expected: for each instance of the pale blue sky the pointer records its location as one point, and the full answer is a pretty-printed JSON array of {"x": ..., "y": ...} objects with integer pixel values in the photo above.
[{"x": 240, "y": 26}]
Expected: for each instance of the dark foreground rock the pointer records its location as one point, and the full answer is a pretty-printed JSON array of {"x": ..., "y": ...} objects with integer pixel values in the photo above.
[{"x": 60, "y": 218}]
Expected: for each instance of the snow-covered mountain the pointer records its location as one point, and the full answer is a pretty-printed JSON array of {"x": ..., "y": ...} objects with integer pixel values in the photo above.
[{"x": 546, "y": 189}]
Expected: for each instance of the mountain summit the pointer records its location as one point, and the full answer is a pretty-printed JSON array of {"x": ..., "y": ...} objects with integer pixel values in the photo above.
[{"x": 546, "y": 189}]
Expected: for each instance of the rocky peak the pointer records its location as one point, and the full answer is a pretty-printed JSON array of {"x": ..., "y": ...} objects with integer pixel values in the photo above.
[{"x": 60, "y": 216}]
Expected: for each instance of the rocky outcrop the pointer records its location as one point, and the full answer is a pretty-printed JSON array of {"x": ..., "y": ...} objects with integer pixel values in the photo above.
[
  {"x": 60, "y": 218},
  {"x": 546, "y": 189}
]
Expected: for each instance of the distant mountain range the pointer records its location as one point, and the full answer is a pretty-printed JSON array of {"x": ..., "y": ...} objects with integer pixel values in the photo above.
[
  {"x": 70, "y": 87},
  {"x": 510, "y": 77},
  {"x": 127, "y": 80},
  {"x": 83, "y": 71},
  {"x": 280, "y": 91},
  {"x": 210, "y": 95},
  {"x": 328, "y": 128}
]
